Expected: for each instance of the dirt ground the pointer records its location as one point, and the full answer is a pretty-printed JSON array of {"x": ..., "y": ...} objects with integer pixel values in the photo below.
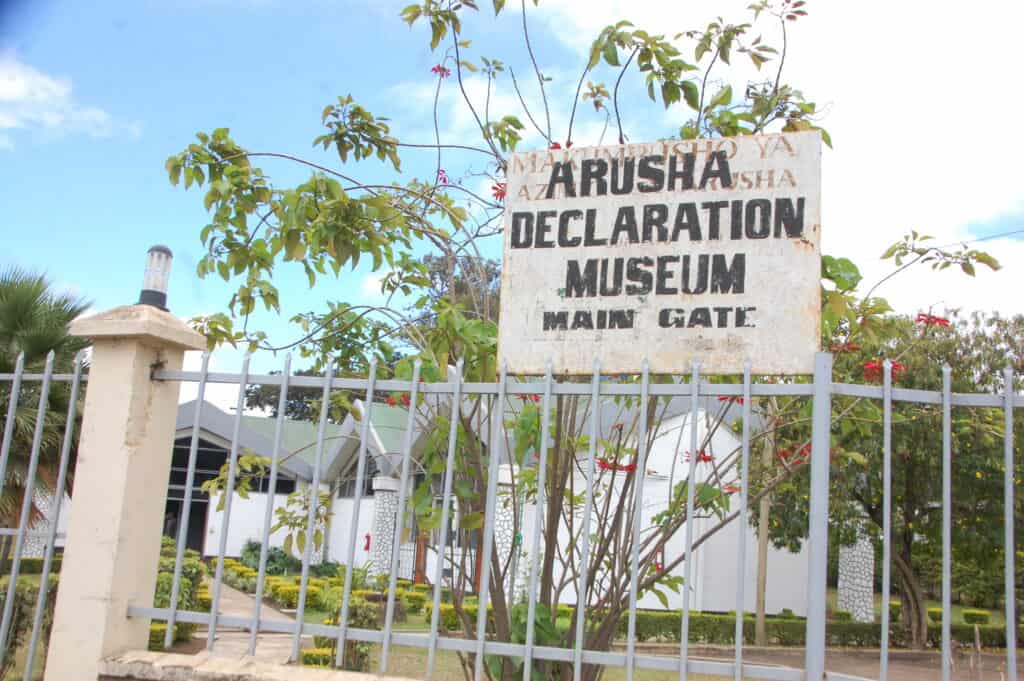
[{"x": 904, "y": 665}]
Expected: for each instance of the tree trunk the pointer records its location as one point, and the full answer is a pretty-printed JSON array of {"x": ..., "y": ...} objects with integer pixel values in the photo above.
[
  {"x": 5, "y": 555},
  {"x": 915, "y": 615},
  {"x": 760, "y": 628}
]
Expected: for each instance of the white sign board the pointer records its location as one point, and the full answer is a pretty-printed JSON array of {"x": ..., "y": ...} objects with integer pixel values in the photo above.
[{"x": 672, "y": 251}]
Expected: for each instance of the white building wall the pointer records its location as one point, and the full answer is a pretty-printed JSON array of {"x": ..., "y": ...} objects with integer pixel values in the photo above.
[
  {"x": 246, "y": 523},
  {"x": 715, "y": 567},
  {"x": 341, "y": 528}
]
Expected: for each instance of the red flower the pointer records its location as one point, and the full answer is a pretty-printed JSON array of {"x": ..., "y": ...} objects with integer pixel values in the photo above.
[
  {"x": 730, "y": 398},
  {"x": 801, "y": 455},
  {"x": 556, "y": 145},
  {"x": 931, "y": 320},
  {"x": 390, "y": 401},
  {"x": 873, "y": 370},
  {"x": 702, "y": 456},
  {"x": 606, "y": 465},
  {"x": 498, "y": 190},
  {"x": 730, "y": 489},
  {"x": 405, "y": 400},
  {"x": 442, "y": 176},
  {"x": 441, "y": 71}
]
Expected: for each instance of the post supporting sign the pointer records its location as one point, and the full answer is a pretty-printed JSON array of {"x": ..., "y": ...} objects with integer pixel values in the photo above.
[{"x": 670, "y": 251}]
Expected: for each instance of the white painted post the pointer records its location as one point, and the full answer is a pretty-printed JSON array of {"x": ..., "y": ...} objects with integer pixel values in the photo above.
[
  {"x": 385, "y": 514},
  {"x": 124, "y": 456}
]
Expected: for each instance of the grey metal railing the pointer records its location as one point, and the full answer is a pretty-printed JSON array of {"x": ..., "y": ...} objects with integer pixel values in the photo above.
[{"x": 820, "y": 391}]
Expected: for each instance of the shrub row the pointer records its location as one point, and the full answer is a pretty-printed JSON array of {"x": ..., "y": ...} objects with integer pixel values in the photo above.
[
  {"x": 26, "y": 591},
  {"x": 34, "y": 566}
]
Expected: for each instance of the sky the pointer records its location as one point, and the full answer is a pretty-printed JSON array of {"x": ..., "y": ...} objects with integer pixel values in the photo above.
[{"x": 919, "y": 98}]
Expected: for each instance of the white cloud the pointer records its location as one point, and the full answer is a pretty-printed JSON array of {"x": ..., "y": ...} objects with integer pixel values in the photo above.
[
  {"x": 31, "y": 100},
  {"x": 917, "y": 96}
]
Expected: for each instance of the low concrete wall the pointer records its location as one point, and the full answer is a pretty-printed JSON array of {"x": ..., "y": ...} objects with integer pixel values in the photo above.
[{"x": 151, "y": 666}]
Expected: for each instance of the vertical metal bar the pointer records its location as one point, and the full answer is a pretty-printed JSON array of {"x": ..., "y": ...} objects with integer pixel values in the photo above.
[
  {"x": 638, "y": 507},
  {"x": 817, "y": 542},
  {"x": 186, "y": 507},
  {"x": 12, "y": 410},
  {"x": 1009, "y": 547},
  {"x": 588, "y": 509},
  {"x": 883, "y": 669},
  {"x": 396, "y": 545},
  {"x": 364, "y": 436},
  {"x": 947, "y": 521},
  {"x": 741, "y": 552},
  {"x": 58, "y": 498},
  {"x": 497, "y": 424},
  {"x": 538, "y": 519},
  {"x": 268, "y": 513},
  {"x": 27, "y": 492},
  {"x": 229, "y": 492},
  {"x": 446, "y": 505},
  {"x": 691, "y": 484},
  {"x": 314, "y": 503}
]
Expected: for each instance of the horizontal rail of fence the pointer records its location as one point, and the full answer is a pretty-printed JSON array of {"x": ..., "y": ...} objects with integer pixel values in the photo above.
[{"x": 820, "y": 391}]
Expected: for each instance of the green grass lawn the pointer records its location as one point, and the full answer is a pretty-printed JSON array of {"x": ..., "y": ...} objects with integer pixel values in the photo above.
[
  {"x": 412, "y": 663},
  {"x": 996, "y": 616}
]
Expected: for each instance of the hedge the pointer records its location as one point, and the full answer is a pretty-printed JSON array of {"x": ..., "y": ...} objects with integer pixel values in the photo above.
[
  {"x": 976, "y": 616},
  {"x": 157, "y": 630},
  {"x": 415, "y": 601},
  {"x": 26, "y": 592},
  {"x": 317, "y": 657},
  {"x": 449, "y": 620},
  {"x": 34, "y": 566},
  {"x": 935, "y": 615}
]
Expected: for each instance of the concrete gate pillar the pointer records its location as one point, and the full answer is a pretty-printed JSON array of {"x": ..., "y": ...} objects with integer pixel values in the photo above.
[{"x": 124, "y": 457}]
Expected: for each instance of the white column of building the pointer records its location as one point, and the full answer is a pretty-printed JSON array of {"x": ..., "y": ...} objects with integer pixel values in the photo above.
[
  {"x": 385, "y": 513},
  {"x": 857, "y": 577}
]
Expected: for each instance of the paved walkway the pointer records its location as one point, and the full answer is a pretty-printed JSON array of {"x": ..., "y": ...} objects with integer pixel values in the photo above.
[{"x": 232, "y": 642}]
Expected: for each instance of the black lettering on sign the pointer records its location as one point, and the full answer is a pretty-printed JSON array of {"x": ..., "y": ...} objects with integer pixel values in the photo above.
[
  {"x": 581, "y": 284},
  {"x": 714, "y": 209},
  {"x": 561, "y": 173},
  {"x": 728, "y": 278},
  {"x": 625, "y": 221},
  {"x": 758, "y": 228},
  {"x": 544, "y": 229},
  {"x": 593, "y": 170},
  {"x": 637, "y": 271},
  {"x": 700, "y": 316},
  {"x": 650, "y": 170},
  {"x": 665, "y": 275},
  {"x": 741, "y": 317},
  {"x": 686, "y": 219},
  {"x": 722, "y": 314},
  {"x": 620, "y": 319},
  {"x": 588, "y": 232},
  {"x": 717, "y": 166},
  {"x": 622, "y": 182},
  {"x": 789, "y": 218},
  {"x": 615, "y": 287},
  {"x": 564, "y": 240},
  {"x": 556, "y": 321},
  {"x": 522, "y": 230},
  {"x": 701, "y": 283},
  {"x": 582, "y": 319},
  {"x": 684, "y": 174},
  {"x": 655, "y": 217}
]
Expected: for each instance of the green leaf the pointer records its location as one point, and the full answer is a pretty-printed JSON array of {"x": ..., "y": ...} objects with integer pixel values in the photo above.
[
  {"x": 498, "y": 6},
  {"x": 723, "y": 98},
  {"x": 611, "y": 54},
  {"x": 691, "y": 94}
]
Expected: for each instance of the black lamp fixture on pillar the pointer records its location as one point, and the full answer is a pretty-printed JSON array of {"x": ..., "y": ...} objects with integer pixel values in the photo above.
[{"x": 158, "y": 273}]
